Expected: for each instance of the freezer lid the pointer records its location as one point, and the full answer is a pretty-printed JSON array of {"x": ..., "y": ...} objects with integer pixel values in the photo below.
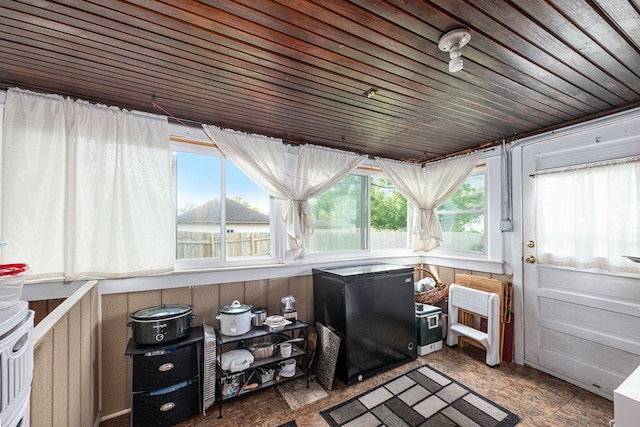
[{"x": 364, "y": 270}]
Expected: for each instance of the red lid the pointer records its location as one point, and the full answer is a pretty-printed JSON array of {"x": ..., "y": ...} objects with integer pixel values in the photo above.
[{"x": 12, "y": 269}]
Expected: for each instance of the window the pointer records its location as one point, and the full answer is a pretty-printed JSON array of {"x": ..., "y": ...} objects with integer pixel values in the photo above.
[
  {"x": 247, "y": 218},
  {"x": 388, "y": 215},
  {"x": 341, "y": 217},
  {"x": 203, "y": 209},
  {"x": 588, "y": 216},
  {"x": 363, "y": 213},
  {"x": 198, "y": 180},
  {"x": 342, "y": 223},
  {"x": 463, "y": 216}
]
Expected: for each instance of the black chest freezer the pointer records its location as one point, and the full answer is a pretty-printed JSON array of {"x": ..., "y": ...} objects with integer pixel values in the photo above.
[{"x": 372, "y": 308}]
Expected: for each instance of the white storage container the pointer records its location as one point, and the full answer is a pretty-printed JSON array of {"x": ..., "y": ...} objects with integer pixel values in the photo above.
[
  {"x": 22, "y": 417},
  {"x": 16, "y": 360},
  {"x": 11, "y": 281}
]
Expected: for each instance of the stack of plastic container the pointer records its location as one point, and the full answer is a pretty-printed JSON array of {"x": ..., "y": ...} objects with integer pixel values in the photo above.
[
  {"x": 11, "y": 282},
  {"x": 16, "y": 347}
]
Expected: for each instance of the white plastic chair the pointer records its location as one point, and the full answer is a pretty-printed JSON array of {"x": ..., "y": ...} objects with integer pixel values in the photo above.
[{"x": 480, "y": 303}]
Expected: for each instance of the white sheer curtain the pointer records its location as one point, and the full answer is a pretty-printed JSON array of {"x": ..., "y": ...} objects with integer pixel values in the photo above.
[
  {"x": 294, "y": 177},
  {"x": 427, "y": 188},
  {"x": 86, "y": 189},
  {"x": 590, "y": 217}
]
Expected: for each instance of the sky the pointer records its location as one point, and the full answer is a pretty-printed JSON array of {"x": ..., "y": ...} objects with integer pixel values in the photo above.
[{"x": 199, "y": 181}]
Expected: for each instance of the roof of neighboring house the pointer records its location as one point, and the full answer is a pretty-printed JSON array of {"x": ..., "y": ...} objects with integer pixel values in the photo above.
[{"x": 235, "y": 213}]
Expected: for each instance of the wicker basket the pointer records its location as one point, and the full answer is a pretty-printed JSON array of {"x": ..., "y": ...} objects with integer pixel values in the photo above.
[{"x": 433, "y": 296}]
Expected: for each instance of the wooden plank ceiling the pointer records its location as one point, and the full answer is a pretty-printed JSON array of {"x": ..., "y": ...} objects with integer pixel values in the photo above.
[{"x": 297, "y": 70}]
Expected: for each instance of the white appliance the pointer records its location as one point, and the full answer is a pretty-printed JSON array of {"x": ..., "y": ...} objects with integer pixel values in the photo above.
[
  {"x": 209, "y": 381},
  {"x": 16, "y": 364},
  {"x": 626, "y": 401}
]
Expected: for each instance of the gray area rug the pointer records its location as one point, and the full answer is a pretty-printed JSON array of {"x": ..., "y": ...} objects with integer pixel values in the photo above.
[{"x": 423, "y": 397}]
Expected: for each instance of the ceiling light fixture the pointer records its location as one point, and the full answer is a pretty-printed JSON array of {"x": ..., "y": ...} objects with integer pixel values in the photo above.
[
  {"x": 453, "y": 42},
  {"x": 370, "y": 93}
]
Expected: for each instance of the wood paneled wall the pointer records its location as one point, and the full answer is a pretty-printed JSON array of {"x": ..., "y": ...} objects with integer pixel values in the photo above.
[
  {"x": 447, "y": 275},
  {"x": 65, "y": 389},
  {"x": 43, "y": 308},
  {"x": 206, "y": 302}
]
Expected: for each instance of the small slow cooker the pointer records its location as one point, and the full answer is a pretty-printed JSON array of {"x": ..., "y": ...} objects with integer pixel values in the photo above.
[
  {"x": 160, "y": 324},
  {"x": 235, "y": 318}
]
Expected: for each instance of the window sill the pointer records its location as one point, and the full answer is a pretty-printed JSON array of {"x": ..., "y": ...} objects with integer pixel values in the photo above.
[
  {"x": 466, "y": 263},
  {"x": 239, "y": 273}
]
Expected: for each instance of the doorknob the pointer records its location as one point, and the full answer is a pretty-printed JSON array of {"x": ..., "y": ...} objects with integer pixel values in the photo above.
[{"x": 530, "y": 259}]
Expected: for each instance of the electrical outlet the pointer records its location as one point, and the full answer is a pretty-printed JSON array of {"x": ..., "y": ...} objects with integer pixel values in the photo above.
[{"x": 506, "y": 225}]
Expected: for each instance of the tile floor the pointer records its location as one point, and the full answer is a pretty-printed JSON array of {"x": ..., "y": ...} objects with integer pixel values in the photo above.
[{"x": 539, "y": 399}]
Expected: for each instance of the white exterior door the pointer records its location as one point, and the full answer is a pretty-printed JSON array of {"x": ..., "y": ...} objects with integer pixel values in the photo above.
[{"x": 581, "y": 326}]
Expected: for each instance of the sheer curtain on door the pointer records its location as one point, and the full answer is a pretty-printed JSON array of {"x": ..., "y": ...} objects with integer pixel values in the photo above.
[
  {"x": 589, "y": 217},
  {"x": 86, "y": 189}
]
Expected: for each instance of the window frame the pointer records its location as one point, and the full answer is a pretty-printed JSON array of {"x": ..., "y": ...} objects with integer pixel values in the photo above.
[
  {"x": 369, "y": 170},
  {"x": 494, "y": 247},
  {"x": 377, "y": 173},
  {"x": 479, "y": 170},
  {"x": 189, "y": 264},
  {"x": 492, "y": 261},
  {"x": 339, "y": 255}
]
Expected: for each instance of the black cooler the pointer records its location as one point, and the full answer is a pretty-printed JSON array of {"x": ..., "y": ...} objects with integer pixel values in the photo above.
[{"x": 372, "y": 308}]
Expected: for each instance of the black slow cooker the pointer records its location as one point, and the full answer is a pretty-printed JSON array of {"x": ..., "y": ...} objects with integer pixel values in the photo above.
[{"x": 160, "y": 324}]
